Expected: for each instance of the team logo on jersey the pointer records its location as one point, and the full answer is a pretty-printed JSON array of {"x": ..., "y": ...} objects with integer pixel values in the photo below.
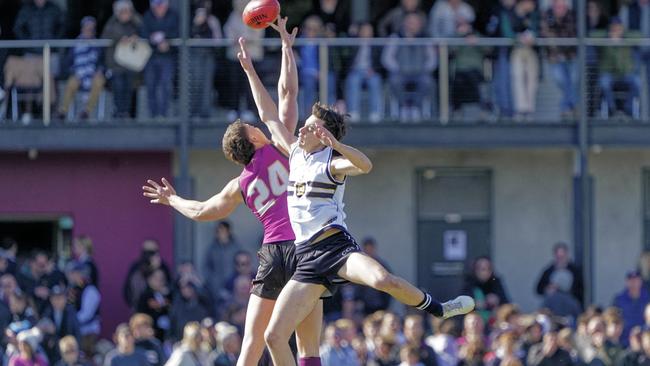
[{"x": 301, "y": 188}]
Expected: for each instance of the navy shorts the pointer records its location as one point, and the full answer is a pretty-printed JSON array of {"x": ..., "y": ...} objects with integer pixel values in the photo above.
[
  {"x": 277, "y": 265},
  {"x": 320, "y": 262}
]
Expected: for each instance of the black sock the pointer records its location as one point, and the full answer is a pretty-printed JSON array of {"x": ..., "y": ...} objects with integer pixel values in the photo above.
[{"x": 430, "y": 305}]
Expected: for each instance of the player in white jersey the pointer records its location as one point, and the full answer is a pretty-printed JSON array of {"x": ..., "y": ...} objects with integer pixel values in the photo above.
[{"x": 327, "y": 254}]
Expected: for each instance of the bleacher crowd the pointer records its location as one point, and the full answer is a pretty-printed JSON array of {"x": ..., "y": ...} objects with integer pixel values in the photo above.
[
  {"x": 51, "y": 314},
  {"x": 370, "y": 82}
]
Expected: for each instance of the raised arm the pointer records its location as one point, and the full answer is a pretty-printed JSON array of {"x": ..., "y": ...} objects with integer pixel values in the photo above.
[
  {"x": 266, "y": 107},
  {"x": 215, "y": 208},
  {"x": 351, "y": 162},
  {"x": 288, "y": 82}
]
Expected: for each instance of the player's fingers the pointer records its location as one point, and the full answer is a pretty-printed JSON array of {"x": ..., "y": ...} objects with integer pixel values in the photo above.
[
  {"x": 148, "y": 189},
  {"x": 153, "y": 184},
  {"x": 165, "y": 183},
  {"x": 150, "y": 195},
  {"x": 272, "y": 25},
  {"x": 294, "y": 32},
  {"x": 153, "y": 201}
]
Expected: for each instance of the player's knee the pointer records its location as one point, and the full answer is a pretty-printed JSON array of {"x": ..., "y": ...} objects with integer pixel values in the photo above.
[
  {"x": 385, "y": 282},
  {"x": 273, "y": 338}
]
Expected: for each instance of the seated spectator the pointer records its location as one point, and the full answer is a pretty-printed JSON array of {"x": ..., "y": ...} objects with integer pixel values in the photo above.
[
  {"x": 243, "y": 268},
  {"x": 141, "y": 326},
  {"x": 613, "y": 348},
  {"x": 10, "y": 248},
  {"x": 237, "y": 97},
  {"x": 360, "y": 347},
  {"x": 155, "y": 301},
  {"x": 63, "y": 321},
  {"x": 202, "y": 60},
  {"x": 82, "y": 253},
  {"x": 485, "y": 287},
  {"x": 38, "y": 277},
  {"x": 632, "y": 302},
  {"x": 386, "y": 351},
  {"x": 561, "y": 261},
  {"x": 524, "y": 59},
  {"x": 189, "y": 352},
  {"x": 335, "y": 351},
  {"x": 559, "y": 300},
  {"x": 28, "y": 345},
  {"x": 69, "y": 350},
  {"x": 446, "y": 15},
  {"x": 8, "y": 286},
  {"x": 566, "y": 342},
  {"x": 364, "y": 69},
  {"x": 159, "y": 25},
  {"x": 410, "y": 68},
  {"x": 617, "y": 69},
  {"x": 472, "y": 352},
  {"x": 391, "y": 23},
  {"x": 369, "y": 299},
  {"x": 549, "y": 353},
  {"x": 410, "y": 356},
  {"x": 505, "y": 349},
  {"x": 230, "y": 342},
  {"x": 125, "y": 353},
  {"x": 136, "y": 281},
  {"x": 86, "y": 297},
  {"x": 220, "y": 258},
  {"x": 443, "y": 341},
  {"x": 414, "y": 334},
  {"x": 123, "y": 27},
  {"x": 532, "y": 335},
  {"x": 187, "y": 306},
  {"x": 309, "y": 66},
  {"x": 86, "y": 72},
  {"x": 20, "y": 310},
  {"x": 468, "y": 68}
]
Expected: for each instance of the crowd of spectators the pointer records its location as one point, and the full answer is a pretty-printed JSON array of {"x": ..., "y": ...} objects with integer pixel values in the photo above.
[
  {"x": 503, "y": 81},
  {"x": 50, "y": 314}
]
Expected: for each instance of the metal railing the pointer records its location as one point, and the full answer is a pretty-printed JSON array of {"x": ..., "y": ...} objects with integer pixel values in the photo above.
[{"x": 443, "y": 73}]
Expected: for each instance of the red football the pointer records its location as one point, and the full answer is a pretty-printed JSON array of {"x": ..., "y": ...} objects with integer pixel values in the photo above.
[{"x": 259, "y": 13}]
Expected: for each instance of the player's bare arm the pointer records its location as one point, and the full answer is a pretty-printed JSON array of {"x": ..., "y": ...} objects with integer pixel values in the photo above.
[
  {"x": 288, "y": 82},
  {"x": 352, "y": 162},
  {"x": 215, "y": 208},
  {"x": 266, "y": 107}
]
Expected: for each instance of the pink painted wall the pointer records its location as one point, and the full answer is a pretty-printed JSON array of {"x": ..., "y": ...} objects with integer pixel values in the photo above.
[{"x": 102, "y": 192}]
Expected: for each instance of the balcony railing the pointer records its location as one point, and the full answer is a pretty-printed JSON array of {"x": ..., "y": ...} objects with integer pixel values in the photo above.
[{"x": 450, "y": 94}]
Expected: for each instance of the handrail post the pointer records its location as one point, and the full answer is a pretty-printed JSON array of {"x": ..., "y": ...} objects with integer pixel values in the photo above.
[
  {"x": 323, "y": 59},
  {"x": 443, "y": 82},
  {"x": 46, "y": 84}
]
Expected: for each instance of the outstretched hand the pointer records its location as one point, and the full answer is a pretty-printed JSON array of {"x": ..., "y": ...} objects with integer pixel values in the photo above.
[
  {"x": 281, "y": 27},
  {"x": 242, "y": 55},
  {"x": 157, "y": 193}
]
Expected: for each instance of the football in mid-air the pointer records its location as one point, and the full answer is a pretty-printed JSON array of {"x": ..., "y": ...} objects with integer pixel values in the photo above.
[{"x": 259, "y": 14}]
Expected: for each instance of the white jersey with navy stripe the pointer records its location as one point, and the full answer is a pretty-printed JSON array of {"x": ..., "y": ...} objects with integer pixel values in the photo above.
[{"x": 315, "y": 197}]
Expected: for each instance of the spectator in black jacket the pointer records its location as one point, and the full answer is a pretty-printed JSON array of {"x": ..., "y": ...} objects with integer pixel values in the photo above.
[
  {"x": 82, "y": 251},
  {"x": 561, "y": 261},
  {"x": 10, "y": 248},
  {"x": 160, "y": 24},
  {"x": 136, "y": 281},
  {"x": 548, "y": 353},
  {"x": 141, "y": 326},
  {"x": 155, "y": 301},
  {"x": 188, "y": 306},
  {"x": 38, "y": 277},
  {"x": 485, "y": 287},
  {"x": 39, "y": 19},
  {"x": 61, "y": 320}
]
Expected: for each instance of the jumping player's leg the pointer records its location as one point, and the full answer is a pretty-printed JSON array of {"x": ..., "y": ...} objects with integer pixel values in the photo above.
[
  {"x": 297, "y": 300},
  {"x": 258, "y": 315},
  {"x": 362, "y": 269},
  {"x": 308, "y": 333}
]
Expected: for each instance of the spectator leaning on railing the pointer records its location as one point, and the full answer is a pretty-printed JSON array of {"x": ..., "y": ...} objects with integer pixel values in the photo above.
[
  {"x": 524, "y": 58},
  {"x": 500, "y": 25},
  {"x": 122, "y": 28},
  {"x": 635, "y": 16}
]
